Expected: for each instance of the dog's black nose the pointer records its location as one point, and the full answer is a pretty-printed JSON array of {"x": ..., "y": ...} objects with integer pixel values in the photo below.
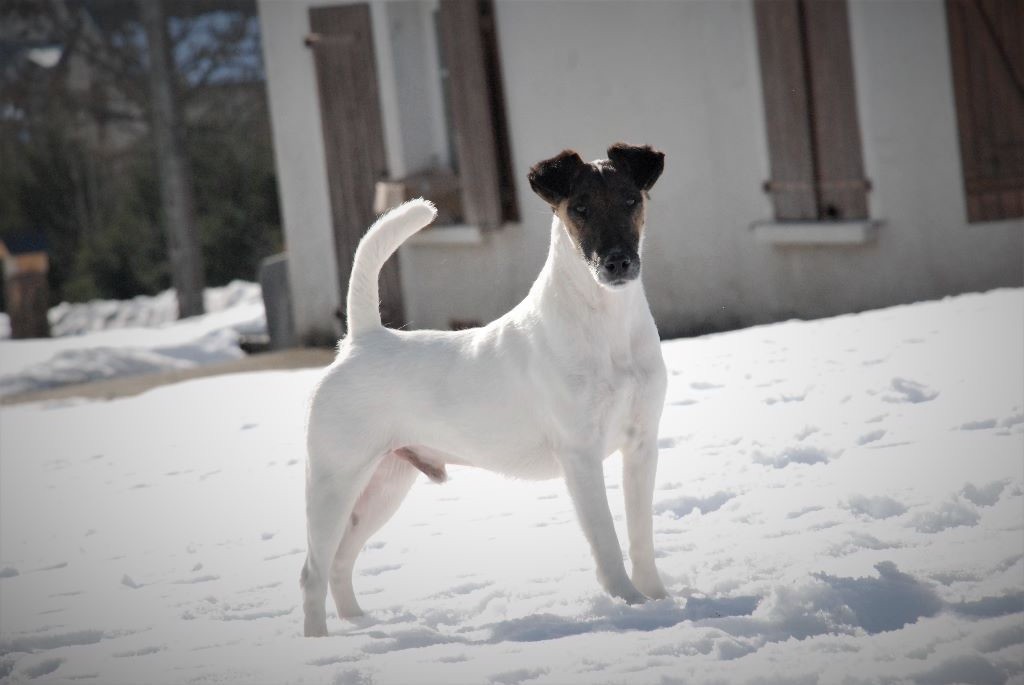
[{"x": 617, "y": 264}]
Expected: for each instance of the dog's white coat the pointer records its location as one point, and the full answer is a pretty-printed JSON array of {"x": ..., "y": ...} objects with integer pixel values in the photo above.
[{"x": 570, "y": 375}]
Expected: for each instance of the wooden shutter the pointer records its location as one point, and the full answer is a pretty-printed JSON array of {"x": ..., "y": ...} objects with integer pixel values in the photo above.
[
  {"x": 811, "y": 110},
  {"x": 786, "y": 107},
  {"x": 986, "y": 39},
  {"x": 342, "y": 44},
  {"x": 839, "y": 168},
  {"x": 468, "y": 43}
]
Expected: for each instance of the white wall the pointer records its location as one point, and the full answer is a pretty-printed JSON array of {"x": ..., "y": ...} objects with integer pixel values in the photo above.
[
  {"x": 301, "y": 168},
  {"x": 413, "y": 133},
  {"x": 684, "y": 77},
  {"x": 693, "y": 89}
]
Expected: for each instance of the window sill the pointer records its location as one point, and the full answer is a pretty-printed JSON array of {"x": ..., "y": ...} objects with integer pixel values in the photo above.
[
  {"x": 458, "y": 234},
  {"x": 838, "y": 233}
]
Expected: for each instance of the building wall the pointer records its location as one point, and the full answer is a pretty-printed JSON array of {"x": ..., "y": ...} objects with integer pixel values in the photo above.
[
  {"x": 301, "y": 169},
  {"x": 684, "y": 77}
]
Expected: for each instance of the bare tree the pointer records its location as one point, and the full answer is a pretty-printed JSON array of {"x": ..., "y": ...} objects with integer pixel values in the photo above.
[{"x": 172, "y": 165}]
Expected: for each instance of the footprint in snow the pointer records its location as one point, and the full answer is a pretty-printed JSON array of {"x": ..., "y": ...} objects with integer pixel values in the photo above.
[
  {"x": 984, "y": 424},
  {"x": 785, "y": 399},
  {"x": 986, "y": 495},
  {"x": 256, "y": 615},
  {"x": 197, "y": 580},
  {"x": 518, "y": 676},
  {"x": 905, "y": 390},
  {"x": 53, "y": 567},
  {"x": 143, "y": 651},
  {"x": 800, "y": 512},
  {"x": 454, "y": 659},
  {"x": 949, "y": 514},
  {"x": 873, "y": 436},
  {"x": 682, "y": 506},
  {"x": 875, "y": 507},
  {"x": 45, "y": 667},
  {"x": 795, "y": 455},
  {"x": 806, "y": 432},
  {"x": 1011, "y": 421}
]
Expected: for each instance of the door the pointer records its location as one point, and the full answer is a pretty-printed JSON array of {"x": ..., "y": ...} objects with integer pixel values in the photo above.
[{"x": 342, "y": 45}]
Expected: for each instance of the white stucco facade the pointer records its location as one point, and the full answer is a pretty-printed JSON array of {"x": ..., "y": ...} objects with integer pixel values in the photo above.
[{"x": 691, "y": 87}]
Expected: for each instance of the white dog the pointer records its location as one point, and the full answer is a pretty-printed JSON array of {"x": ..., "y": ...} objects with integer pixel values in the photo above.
[{"x": 552, "y": 388}]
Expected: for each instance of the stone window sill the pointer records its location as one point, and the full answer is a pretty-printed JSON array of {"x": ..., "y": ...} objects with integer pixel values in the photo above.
[{"x": 797, "y": 233}]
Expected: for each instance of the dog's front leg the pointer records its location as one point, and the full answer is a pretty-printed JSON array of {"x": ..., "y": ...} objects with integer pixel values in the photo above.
[
  {"x": 639, "y": 464},
  {"x": 585, "y": 480}
]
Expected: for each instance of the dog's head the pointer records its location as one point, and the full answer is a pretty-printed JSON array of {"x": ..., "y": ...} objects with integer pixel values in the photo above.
[{"x": 602, "y": 205}]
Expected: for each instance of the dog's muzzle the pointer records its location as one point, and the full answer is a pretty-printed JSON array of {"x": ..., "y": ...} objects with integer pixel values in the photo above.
[{"x": 618, "y": 267}]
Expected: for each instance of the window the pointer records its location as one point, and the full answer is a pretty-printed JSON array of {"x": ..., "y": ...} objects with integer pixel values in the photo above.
[
  {"x": 986, "y": 40},
  {"x": 810, "y": 108},
  {"x": 443, "y": 70},
  {"x": 451, "y": 110}
]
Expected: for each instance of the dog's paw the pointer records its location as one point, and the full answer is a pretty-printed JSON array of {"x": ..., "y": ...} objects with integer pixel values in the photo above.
[
  {"x": 651, "y": 586},
  {"x": 315, "y": 629},
  {"x": 656, "y": 593},
  {"x": 630, "y": 595},
  {"x": 653, "y": 590}
]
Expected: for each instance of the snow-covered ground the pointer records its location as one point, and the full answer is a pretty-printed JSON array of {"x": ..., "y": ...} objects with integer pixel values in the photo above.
[
  {"x": 838, "y": 501},
  {"x": 108, "y": 338}
]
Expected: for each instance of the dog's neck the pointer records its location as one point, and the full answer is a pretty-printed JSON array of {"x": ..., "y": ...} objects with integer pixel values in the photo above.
[{"x": 567, "y": 290}]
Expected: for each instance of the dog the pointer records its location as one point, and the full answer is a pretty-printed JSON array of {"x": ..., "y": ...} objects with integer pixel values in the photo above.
[{"x": 570, "y": 375}]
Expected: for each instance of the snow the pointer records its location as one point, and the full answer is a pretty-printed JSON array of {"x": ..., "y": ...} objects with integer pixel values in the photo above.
[
  {"x": 838, "y": 501},
  {"x": 106, "y": 338}
]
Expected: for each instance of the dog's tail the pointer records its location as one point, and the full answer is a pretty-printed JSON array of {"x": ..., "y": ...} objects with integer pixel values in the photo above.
[{"x": 379, "y": 243}]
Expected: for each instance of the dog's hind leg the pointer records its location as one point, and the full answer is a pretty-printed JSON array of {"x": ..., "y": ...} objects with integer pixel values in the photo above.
[
  {"x": 330, "y": 498},
  {"x": 377, "y": 503}
]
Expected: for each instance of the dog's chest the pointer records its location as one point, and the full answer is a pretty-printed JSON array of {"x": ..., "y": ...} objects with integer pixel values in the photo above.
[{"x": 604, "y": 385}]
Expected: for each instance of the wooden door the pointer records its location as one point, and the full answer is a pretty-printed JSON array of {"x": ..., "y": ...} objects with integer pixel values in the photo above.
[{"x": 342, "y": 45}]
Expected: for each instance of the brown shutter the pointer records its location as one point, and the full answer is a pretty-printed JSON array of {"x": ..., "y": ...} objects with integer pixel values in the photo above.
[
  {"x": 811, "y": 110},
  {"x": 986, "y": 40},
  {"x": 342, "y": 44},
  {"x": 786, "y": 105},
  {"x": 842, "y": 189},
  {"x": 467, "y": 41}
]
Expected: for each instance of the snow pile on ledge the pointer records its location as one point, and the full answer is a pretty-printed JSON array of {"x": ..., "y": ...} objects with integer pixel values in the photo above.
[
  {"x": 838, "y": 501},
  {"x": 107, "y": 339}
]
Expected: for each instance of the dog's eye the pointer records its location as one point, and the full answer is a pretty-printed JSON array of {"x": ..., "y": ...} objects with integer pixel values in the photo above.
[
  {"x": 630, "y": 201},
  {"x": 580, "y": 209}
]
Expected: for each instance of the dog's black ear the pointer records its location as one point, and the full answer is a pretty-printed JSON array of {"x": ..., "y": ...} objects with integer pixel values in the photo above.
[
  {"x": 552, "y": 179},
  {"x": 642, "y": 163}
]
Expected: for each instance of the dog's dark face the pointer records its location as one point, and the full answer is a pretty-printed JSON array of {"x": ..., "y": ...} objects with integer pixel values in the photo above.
[{"x": 602, "y": 205}]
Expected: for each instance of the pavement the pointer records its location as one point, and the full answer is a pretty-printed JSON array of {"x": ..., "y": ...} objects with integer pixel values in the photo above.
[{"x": 128, "y": 386}]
